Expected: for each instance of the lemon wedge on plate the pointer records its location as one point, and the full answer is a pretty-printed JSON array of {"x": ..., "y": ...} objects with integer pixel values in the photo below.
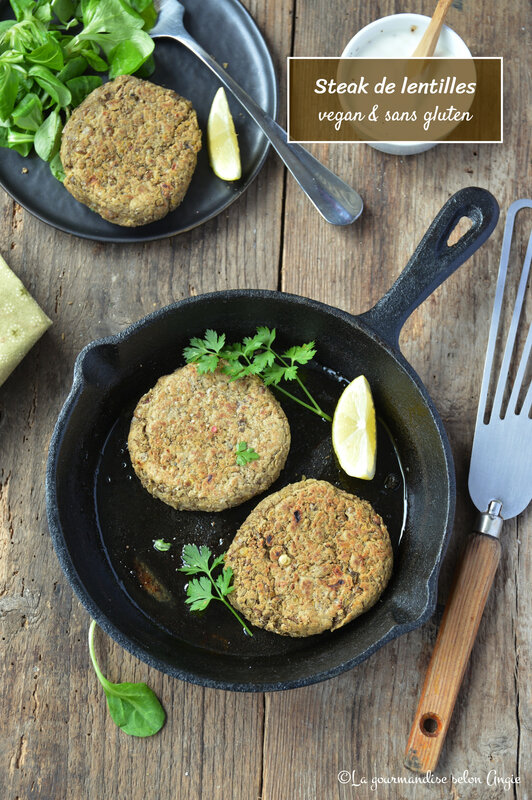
[
  {"x": 354, "y": 430},
  {"x": 222, "y": 143}
]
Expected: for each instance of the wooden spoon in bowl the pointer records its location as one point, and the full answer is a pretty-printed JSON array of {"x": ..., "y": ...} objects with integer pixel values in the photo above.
[{"x": 429, "y": 40}]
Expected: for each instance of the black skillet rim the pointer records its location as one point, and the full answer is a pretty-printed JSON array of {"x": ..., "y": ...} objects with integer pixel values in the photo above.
[{"x": 58, "y": 538}]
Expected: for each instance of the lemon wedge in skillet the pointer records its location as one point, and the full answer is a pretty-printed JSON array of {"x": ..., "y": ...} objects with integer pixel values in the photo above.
[
  {"x": 224, "y": 153},
  {"x": 354, "y": 430}
]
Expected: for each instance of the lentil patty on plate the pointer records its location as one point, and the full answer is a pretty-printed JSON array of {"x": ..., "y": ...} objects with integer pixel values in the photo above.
[
  {"x": 309, "y": 558},
  {"x": 130, "y": 149},
  {"x": 183, "y": 437}
]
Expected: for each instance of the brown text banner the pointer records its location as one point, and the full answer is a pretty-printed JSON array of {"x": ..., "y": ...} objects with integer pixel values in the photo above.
[{"x": 367, "y": 99}]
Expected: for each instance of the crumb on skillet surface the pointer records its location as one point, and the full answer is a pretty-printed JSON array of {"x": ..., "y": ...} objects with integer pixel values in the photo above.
[
  {"x": 130, "y": 149},
  {"x": 309, "y": 558},
  {"x": 184, "y": 433}
]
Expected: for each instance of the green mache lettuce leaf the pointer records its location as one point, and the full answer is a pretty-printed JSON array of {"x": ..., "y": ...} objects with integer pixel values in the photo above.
[
  {"x": 48, "y": 55},
  {"x": 28, "y": 113},
  {"x": 45, "y": 53},
  {"x": 57, "y": 169},
  {"x": 73, "y": 69},
  {"x": 59, "y": 93},
  {"x": 22, "y": 8},
  {"x": 64, "y": 10},
  {"x": 21, "y": 141},
  {"x": 5, "y": 24},
  {"x": 95, "y": 60},
  {"x": 9, "y": 84},
  {"x": 127, "y": 57},
  {"x": 110, "y": 23},
  {"x": 43, "y": 12},
  {"x": 134, "y": 707},
  {"x": 82, "y": 86},
  {"x": 48, "y": 138},
  {"x": 146, "y": 69}
]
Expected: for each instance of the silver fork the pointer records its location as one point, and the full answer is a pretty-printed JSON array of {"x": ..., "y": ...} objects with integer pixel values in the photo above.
[
  {"x": 500, "y": 485},
  {"x": 337, "y": 202}
]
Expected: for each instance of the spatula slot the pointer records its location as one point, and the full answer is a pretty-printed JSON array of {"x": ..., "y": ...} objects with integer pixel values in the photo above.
[{"x": 508, "y": 390}]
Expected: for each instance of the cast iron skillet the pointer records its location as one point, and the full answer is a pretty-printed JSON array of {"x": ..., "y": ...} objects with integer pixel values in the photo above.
[{"x": 103, "y": 523}]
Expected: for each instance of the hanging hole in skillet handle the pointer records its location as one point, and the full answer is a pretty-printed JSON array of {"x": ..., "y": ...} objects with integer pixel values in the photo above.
[
  {"x": 460, "y": 229},
  {"x": 436, "y": 257}
]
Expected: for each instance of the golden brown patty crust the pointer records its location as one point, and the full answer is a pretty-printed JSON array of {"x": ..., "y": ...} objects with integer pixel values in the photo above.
[
  {"x": 129, "y": 150},
  {"x": 309, "y": 558},
  {"x": 184, "y": 433}
]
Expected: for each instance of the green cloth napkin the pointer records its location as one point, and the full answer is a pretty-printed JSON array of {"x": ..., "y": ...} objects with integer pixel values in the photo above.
[{"x": 22, "y": 321}]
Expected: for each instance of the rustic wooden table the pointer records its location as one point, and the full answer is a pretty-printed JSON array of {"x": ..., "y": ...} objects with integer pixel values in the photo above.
[{"x": 57, "y": 741}]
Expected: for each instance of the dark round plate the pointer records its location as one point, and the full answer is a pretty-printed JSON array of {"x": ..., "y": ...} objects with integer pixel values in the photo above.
[{"x": 226, "y": 30}]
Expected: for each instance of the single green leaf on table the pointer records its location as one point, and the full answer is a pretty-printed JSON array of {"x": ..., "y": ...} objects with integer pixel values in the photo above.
[
  {"x": 199, "y": 590},
  {"x": 245, "y": 454},
  {"x": 134, "y": 707}
]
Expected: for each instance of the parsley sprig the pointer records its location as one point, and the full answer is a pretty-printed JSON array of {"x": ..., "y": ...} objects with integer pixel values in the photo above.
[
  {"x": 245, "y": 454},
  {"x": 255, "y": 356},
  {"x": 200, "y": 590}
]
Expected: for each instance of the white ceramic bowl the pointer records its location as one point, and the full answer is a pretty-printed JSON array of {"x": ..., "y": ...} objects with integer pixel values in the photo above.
[{"x": 366, "y": 43}]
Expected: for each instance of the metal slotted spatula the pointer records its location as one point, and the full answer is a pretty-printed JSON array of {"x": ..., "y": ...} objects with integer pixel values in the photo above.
[
  {"x": 500, "y": 485},
  {"x": 337, "y": 202}
]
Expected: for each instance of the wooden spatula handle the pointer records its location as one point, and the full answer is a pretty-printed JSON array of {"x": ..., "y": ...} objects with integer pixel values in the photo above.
[{"x": 455, "y": 639}]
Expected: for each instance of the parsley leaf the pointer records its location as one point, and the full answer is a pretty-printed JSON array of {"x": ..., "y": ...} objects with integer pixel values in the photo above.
[
  {"x": 200, "y": 590},
  {"x": 244, "y": 454},
  {"x": 255, "y": 356},
  {"x": 161, "y": 545},
  {"x": 199, "y": 593}
]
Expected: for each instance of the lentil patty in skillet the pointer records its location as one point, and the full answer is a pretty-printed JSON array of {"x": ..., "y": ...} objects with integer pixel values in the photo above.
[
  {"x": 309, "y": 558},
  {"x": 184, "y": 433},
  {"x": 130, "y": 149}
]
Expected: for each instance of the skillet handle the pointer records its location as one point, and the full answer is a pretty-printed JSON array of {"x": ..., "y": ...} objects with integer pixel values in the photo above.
[
  {"x": 456, "y": 636},
  {"x": 434, "y": 260}
]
